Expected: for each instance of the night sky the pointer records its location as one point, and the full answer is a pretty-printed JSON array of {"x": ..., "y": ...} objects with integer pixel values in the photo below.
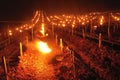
[{"x": 25, "y": 9}]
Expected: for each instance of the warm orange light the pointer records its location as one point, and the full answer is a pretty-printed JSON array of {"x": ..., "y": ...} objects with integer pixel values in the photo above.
[
  {"x": 10, "y": 34},
  {"x": 21, "y": 27},
  {"x": 63, "y": 25},
  {"x": 42, "y": 29},
  {"x": 46, "y": 34},
  {"x": 30, "y": 27},
  {"x": 48, "y": 19},
  {"x": 17, "y": 29},
  {"x": 26, "y": 28},
  {"x": 95, "y": 27},
  {"x": 58, "y": 24},
  {"x": 73, "y": 25},
  {"x": 101, "y": 23},
  {"x": 79, "y": 20},
  {"x": 66, "y": 20},
  {"x": 101, "y": 20},
  {"x": 102, "y": 17},
  {"x": 43, "y": 47},
  {"x": 118, "y": 19},
  {"x": 10, "y": 31},
  {"x": 83, "y": 23},
  {"x": 20, "y": 30}
]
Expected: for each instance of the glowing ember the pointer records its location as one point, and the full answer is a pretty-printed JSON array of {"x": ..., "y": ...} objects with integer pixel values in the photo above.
[{"x": 43, "y": 47}]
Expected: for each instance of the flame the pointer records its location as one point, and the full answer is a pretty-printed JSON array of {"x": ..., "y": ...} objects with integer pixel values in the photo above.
[
  {"x": 42, "y": 29},
  {"x": 10, "y": 32},
  {"x": 43, "y": 47}
]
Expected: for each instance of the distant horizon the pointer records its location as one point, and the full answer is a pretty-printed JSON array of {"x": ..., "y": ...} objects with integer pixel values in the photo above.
[
  {"x": 28, "y": 16},
  {"x": 25, "y": 9}
]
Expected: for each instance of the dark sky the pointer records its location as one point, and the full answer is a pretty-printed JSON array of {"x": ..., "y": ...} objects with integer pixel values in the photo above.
[{"x": 25, "y": 9}]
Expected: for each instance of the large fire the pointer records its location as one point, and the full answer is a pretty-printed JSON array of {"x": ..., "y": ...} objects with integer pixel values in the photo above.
[{"x": 43, "y": 47}]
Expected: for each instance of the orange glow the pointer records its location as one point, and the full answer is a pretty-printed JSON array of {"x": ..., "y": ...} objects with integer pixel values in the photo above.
[
  {"x": 101, "y": 20},
  {"x": 46, "y": 34},
  {"x": 115, "y": 17},
  {"x": 20, "y": 30},
  {"x": 63, "y": 25},
  {"x": 58, "y": 24},
  {"x": 10, "y": 31},
  {"x": 101, "y": 23},
  {"x": 26, "y": 28},
  {"x": 42, "y": 29},
  {"x": 83, "y": 23},
  {"x": 30, "y": 27},
  {"x": 95, "y": 27},
  {"x": 21, "y": 27},
  {"x": 79, "y": 20},
  {"x": 48, "y": 19},
  {"x": 10, "y": 34},
  {"x": 43, "y": 47},
  {"x": 118, "y": 19},
  {"x": 66, "y": 20},
  {"x": 17, "y": 29},
  {"x": 73, "y": 25}
]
